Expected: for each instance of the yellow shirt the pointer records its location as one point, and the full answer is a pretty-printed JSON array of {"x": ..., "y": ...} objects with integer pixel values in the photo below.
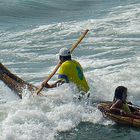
[
  {"x": 126, "y": 108},
  {"x": 71, "y": 71}
]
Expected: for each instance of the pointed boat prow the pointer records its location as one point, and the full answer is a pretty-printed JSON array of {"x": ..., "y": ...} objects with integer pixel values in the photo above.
[{"x": 14, "y": 82}]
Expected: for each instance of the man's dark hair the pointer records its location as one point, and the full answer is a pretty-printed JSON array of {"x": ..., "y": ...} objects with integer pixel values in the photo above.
[{"x": 64, "y": 58}]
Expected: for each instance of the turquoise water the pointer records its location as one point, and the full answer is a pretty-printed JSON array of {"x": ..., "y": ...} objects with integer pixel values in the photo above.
[{"x": 31, "y": 34}]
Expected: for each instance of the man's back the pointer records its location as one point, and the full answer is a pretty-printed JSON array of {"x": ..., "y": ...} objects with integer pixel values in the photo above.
[{"x": 71, "y": 71}]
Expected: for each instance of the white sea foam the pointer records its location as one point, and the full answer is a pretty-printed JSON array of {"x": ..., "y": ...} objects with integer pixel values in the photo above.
[{"x": 43, "y": 117}]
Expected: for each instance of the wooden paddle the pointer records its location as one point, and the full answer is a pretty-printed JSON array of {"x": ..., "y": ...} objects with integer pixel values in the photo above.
[{"x": 59, "y": 64}]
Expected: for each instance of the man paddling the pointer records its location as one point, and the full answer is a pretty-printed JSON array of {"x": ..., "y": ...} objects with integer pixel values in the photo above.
[{"x": 70, "y": 71}]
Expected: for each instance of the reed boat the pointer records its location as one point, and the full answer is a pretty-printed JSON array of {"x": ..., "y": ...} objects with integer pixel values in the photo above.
[
  {"x": 14, "y": 82},
  {"x": 133, "y": 120}
]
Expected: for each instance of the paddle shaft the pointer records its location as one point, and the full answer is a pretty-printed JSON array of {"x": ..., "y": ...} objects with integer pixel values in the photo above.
[
  {"x": 51, "y": 75},
  {"x": 59, "y": 64},
  {"x": 80, "y": 39}
]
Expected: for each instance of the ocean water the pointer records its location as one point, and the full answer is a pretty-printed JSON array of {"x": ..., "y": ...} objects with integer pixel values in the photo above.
[{"x": 31, "y": 35}]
